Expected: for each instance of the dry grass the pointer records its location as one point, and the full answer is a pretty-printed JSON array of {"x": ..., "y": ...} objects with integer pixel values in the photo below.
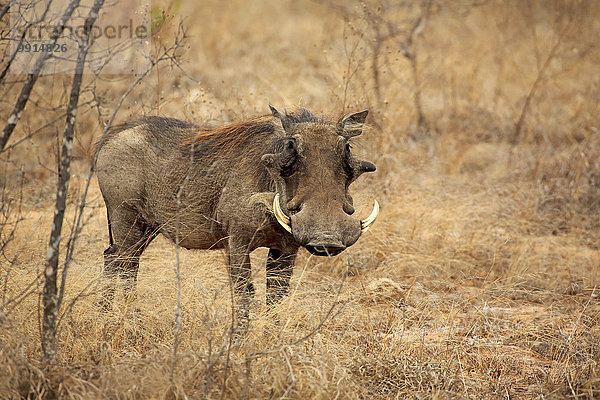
[{"x": 479, "y": 280}]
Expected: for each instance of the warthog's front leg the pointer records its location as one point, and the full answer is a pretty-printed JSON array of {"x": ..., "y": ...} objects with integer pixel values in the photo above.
[
  {"x": 110, "y": 273},
  {"x": 117, "y": 266},
  {"x": 279, "y": 272},
  {"x": 240, "y": 274}
]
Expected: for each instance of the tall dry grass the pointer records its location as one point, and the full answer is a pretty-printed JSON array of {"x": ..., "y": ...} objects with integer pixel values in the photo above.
[{"x": 479, "y": 279}]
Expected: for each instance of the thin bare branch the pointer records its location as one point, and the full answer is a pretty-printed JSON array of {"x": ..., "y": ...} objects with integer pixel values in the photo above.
[
  {"x": 541, "y": 74},
  {"x": 32, "y": 77},
  {"x": 22, "y": 38},
  {"x": 5, "y": 9}
]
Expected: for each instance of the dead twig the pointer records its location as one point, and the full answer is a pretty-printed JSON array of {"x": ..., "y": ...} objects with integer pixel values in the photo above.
[
  {"x": 32, "y": 77},
  {"x": 541, "y": 74}
]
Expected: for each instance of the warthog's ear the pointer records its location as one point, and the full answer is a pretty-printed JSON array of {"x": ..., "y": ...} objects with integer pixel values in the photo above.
[
  {"x": 281, "y": 117},
  {"x": 352, "y": 124}
]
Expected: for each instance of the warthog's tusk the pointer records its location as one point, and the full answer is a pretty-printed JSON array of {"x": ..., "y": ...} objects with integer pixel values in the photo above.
[
  {"x": 283, "y": 219},
  {"x": 366, "y": 223}
]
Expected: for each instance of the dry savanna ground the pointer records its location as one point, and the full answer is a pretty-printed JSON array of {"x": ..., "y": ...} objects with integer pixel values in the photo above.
[{"x": 478, "y": 280}]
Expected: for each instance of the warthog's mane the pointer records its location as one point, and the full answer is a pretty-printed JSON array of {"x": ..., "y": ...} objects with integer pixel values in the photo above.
[
  {"x": 247, "y": 139},
  {"x": 231, "y": 138},
  {"x": 227, "y": 140}
]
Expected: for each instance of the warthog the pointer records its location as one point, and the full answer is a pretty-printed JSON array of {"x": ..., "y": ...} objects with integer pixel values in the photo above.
[{"x": 278, "y": 181}]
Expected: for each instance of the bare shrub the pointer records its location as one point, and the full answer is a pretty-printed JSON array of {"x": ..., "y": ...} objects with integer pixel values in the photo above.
[{"x": 569, "y": 185}]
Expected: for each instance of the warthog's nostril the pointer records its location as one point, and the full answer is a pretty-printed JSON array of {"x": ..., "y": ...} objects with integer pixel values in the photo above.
[{"x": 325, "y": 249}]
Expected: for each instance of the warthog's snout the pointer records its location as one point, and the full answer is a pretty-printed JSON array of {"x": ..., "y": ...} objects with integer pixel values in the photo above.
[
  {"x": 325, "y": 248},
  {"x": 323, "y": 236}
]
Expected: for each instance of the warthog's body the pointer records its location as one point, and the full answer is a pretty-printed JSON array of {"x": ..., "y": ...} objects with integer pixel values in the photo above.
[{"x": 207, "y": 189}]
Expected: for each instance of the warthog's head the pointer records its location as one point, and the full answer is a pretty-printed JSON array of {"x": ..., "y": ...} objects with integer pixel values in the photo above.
[{"x": 312, "y": 166}]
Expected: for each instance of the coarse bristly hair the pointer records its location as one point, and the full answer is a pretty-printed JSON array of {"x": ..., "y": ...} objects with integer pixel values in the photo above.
[{"x": 230, "y": 138}]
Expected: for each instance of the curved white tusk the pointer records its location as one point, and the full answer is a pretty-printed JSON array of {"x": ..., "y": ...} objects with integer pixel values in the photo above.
[
  {"x": 283, "y": 219},
  {"x": 366, "y": 223}
]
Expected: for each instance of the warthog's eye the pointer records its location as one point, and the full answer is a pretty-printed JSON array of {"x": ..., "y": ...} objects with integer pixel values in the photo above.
[
  {"x": 289, "y": 157},
  {"x": 282, "y": 157}
]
